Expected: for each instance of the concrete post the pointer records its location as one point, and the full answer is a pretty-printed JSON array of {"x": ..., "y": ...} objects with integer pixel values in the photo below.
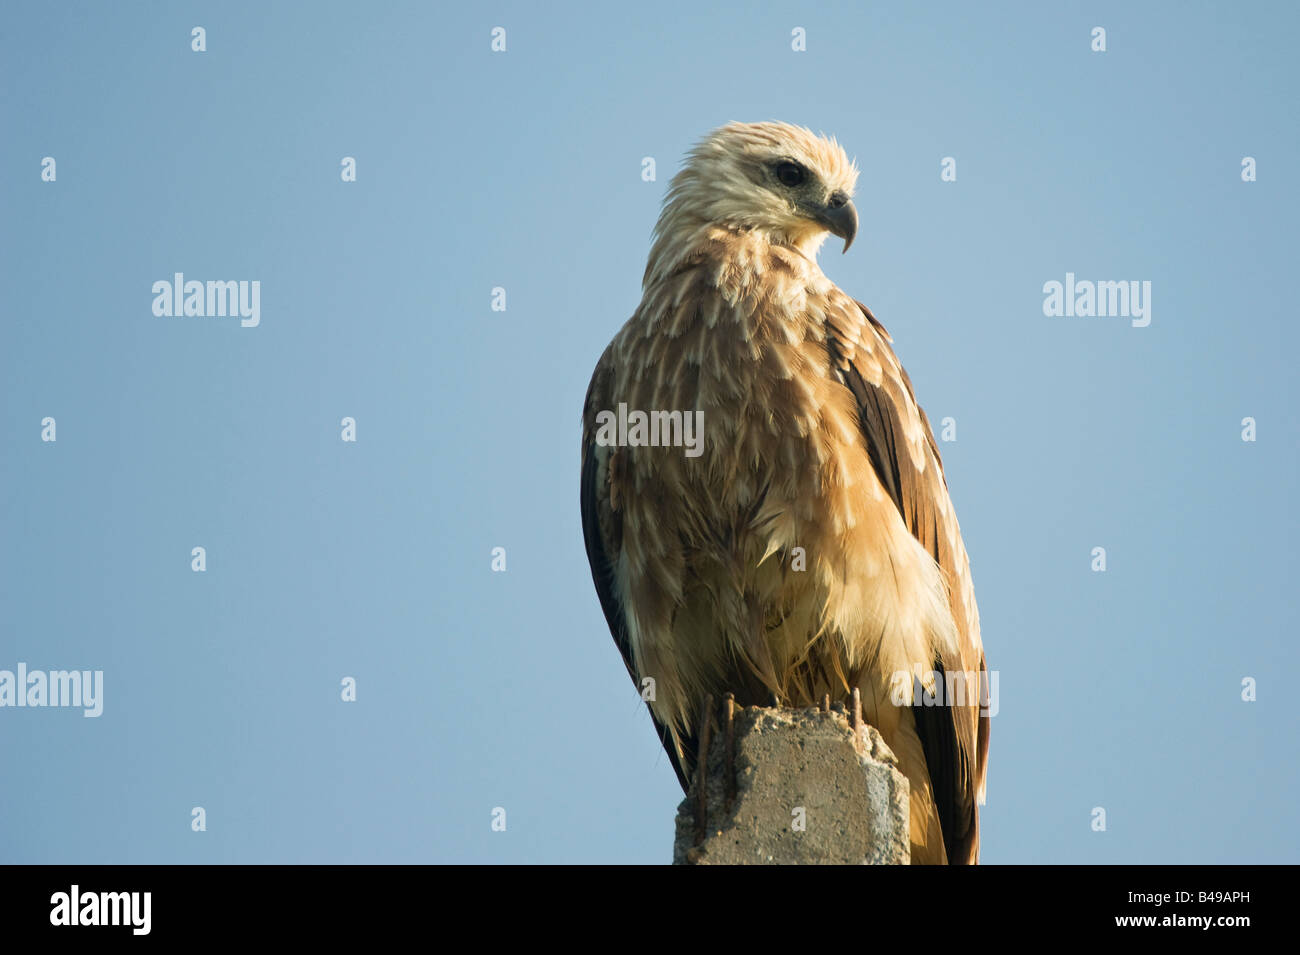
[{"x": 802, "y": 790}]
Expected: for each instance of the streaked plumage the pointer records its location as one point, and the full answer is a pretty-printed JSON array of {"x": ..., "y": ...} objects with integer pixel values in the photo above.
[{"x": 813, "y": 440}]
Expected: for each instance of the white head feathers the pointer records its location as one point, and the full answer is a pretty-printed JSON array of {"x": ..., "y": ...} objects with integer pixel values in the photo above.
[{"x": 784, "y": 182}]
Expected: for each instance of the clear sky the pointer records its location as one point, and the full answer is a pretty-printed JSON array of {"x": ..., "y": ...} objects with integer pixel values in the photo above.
[{"x": 522, "y": 169}]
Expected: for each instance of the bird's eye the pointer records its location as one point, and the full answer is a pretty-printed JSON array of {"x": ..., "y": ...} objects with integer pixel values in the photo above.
[{"x": 790, "y": 173}]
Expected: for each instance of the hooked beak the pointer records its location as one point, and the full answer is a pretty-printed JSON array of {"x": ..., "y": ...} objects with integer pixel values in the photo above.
[{"x": 840, "y": 218}]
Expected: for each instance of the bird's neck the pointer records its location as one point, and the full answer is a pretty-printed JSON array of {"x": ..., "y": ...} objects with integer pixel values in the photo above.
[{"x": 683, "y": 239}]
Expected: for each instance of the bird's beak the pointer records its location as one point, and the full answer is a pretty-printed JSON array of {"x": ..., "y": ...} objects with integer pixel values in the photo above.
[{"x": 840, "y": 218}]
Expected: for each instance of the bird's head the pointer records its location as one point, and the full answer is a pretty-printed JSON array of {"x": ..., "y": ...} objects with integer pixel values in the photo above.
[{"x": 783, "y": 181}]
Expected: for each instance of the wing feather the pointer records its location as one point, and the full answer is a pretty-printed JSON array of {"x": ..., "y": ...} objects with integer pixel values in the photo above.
[
  {"x": 602, "y": 531},
  {"x": 906, "y": 459}
]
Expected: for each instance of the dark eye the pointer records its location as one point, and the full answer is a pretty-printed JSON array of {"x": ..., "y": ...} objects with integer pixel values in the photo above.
[{"x": 790, "y": 173}]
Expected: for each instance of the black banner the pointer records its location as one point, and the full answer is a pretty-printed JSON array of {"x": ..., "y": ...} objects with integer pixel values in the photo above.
[{"x": 204, "y": 904}]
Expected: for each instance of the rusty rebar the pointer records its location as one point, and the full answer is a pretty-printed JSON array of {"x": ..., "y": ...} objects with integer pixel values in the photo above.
[
  {"x": 729, "y": 779},
  {"x": 702, "y": 771}
]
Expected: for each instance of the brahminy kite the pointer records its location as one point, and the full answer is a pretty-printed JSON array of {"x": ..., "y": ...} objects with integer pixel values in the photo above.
[{"x": 763, "y": 502}]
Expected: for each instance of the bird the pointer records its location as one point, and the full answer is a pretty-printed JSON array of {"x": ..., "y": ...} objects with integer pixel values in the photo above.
[{"x": 806, "y": 545}]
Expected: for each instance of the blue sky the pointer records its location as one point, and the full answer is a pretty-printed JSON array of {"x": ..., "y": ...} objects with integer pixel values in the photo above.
[{"x": 522, "y": 170}]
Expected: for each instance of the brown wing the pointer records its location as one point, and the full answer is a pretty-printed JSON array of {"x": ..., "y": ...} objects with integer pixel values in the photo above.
[
  {"x": 906, "y": 459},
  {"x": 602, "y": 529}
]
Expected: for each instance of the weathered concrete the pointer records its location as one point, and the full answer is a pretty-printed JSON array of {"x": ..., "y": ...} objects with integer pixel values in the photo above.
[{"x": 803, "y": 794}]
